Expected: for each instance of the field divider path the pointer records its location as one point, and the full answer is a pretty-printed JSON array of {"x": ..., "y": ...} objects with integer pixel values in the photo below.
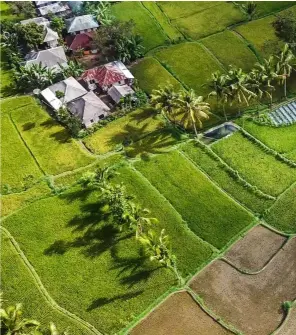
[
  {"x": 282, "y": 195},
  {"x": 212, "y": 55},
  {"x": 26, "y": 145},
  {"x": 268, "y": 226},
  {"x": 43, "y": 290},
  {"x": 213, "y": 248},
  {"x": 214, "y": 182},
  {"x": 252, "y": 273}
]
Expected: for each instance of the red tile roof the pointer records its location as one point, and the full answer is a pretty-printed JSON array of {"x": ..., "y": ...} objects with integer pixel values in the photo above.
[
  {"x": 105, "y": 75},
  {"x": 80, "y": 41}
]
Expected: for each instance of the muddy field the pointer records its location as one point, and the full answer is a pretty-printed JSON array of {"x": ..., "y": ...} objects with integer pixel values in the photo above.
[
  {"x": 254, "y": 251},
  {"x": 289, "y": 328},
  {"x": 251, "y": 303},
  {"x": 179, "y": 314}
]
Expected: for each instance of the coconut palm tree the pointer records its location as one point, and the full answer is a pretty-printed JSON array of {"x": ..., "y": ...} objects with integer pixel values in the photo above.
[
  {"x": 137, "y": 218},
  {"x": 164, "y": 100},
  {"x": 98, "y": 178},
  {"x": 284, "y": 66},
  {"x": 157, "y": 248},
  {"x": 267, "y": 75},
  {"x": 221, "y": 90},
  {"x": 249, "y": 9},
  {"x": 193, "y": 108},
  {"x": 12, "y": 322},
  {"x": 239, "y": 86}
]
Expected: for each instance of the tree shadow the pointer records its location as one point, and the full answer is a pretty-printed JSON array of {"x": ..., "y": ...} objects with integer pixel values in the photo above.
[
  {"x": 49, "y": 123},
  {"x": 28, "y": 126},
  {"x": 61, "y": 136}
]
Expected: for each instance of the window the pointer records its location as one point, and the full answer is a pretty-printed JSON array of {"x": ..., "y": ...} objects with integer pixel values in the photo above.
[
  {"x": 92, "y": 120},
  {"x": 92, "y": 81},
  {"x": 101, "y": 116}
]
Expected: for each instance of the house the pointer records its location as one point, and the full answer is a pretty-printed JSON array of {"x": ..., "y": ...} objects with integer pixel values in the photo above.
[
  {"x": 69, "y": 89},
  {"x": 83, "y": 104},
  {"x": 43, "y": 3},
  {"x": 107, "y": 75},
  {"x": 116, "y": 92},
  {"x": 60, "y": 8},
  {"x": 89, "y": 109},
  {"x": 81, "y": 24},
  {"x": 50, "y": 37},
  {"x": 80, "y": 41},
  {"x": 51, "y": 58}
]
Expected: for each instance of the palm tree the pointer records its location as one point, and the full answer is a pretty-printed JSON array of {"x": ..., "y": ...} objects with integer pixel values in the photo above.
[
  {"x": 73, "y": 69},
  {"x": 195, "y": 110},
  {"x": 267, "y": 74},
  {"x": 129, "y": 48},
  {"x": 220, "y": 89},
  {"x": 136, "y": 218},
  {"x": 239, "y": 86},
  {"x": 54, "y": 331},
  {"x": 164, "y": 100},
  {"x": 284, "y": 67},
  {"x": 157, "y": 248},
  {"x": 12, "y": 322},
  {"x": 249, "y": 9},
  {"x": 98, "y": 178}
]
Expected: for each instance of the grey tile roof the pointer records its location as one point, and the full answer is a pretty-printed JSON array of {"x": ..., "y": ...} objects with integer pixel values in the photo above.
[
  {"x": 54, "y": 8},
  {"x": 80, "y": 23},
  {"x": 51, "y": 58},
  {"x": 37, "y": 20}
]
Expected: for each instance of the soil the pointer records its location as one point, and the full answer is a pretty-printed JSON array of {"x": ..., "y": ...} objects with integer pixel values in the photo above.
[
  {"x": 179, "y": 314},
  {"x": 251, "y": 303},
  {"x": 254, "y": 251},
  {"x": 289, "y": 328}
]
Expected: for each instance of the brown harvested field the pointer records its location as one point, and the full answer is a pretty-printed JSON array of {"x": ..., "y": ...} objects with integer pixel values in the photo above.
[
  {"x": 251, "y": 303},
  {"x": 179, "y": 314},
  {"x": 289, "y": 328},
  {"x": 254, "y": 251}
]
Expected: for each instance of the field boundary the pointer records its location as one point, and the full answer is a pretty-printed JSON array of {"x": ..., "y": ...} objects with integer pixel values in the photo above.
[{"x": 42, "y": 288}]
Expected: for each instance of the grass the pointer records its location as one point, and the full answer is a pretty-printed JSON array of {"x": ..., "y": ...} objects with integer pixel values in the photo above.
[
  {"x": 269, "y": 7},
  {"x": 18, "y": 285},
  {"x": 50, "y": 143},
  {"x": 193, "y": 196},
  {"x": 151, "y": 74},
  {"x": 259, "y": 168},
  {"x": 261, "y": 35},
  {"x": 210, "y": 21},
  {"x": 224, "y": 180},
  {"x": 177, "y": 9},
  {"x": 163, "y": 21},
  {"x": 231, "y": 50},
  {"x": 131, "y": 127},
  {"x": 191, "y": 63},
  {"x": 282, "y": 139},
  {"x": 145, "y": 24},
  {"x": 107, "y": 279},
  {"x": 13, "y": 202},
  {"x": 283, "y": 214},
  {"x": 17, "y": 162}
]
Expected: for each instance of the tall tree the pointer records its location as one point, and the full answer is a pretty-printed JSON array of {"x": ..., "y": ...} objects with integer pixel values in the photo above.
[
  {"x": 54, "y": 331},
  {"x": 285, "y": 27},
  {"x": 239, "y": 86},
  {"x": 164, "y": 100},
  {"x": 284, "y": 66},
  {"x": 158, "y": 249},
  {"x": 12, "y": 322},
  {"x": 57, "y": 24},
  {"x": 31, "y": 34},
  {"x": 194, "y": 110},
  {"x": 99, "y": 9},
  {"x": 220, "y": 87},
  {"x": 249, "y": 8},
  {"x": 73, "y": 69},
  {"x": 267, "y": 74},
  {"x": 23, "y": 8}
]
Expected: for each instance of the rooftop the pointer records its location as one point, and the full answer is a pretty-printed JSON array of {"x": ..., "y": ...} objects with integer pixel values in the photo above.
[
  {"x": 80, "y": 23},
  {"x": 51, "y": 58}
]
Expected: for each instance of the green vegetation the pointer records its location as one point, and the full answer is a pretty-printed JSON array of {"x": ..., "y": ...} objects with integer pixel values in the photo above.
[
  {"x": 124, "y": 130},
  {"x": 191, "y": 64},
  {"x": 169, "y": 29},
  {"x": 209, "y": 21},
  {"x": 178, "y": 9},
  {"x": 150, "y": 74},
  {"x": 14, "y": 201},
  {"x": 227, "y": 182},
  {"x": 268, "y": 174},
  {"x": 282, "y": 139},
  {"x": 189, "y": 192},
  {"x": 146, "y": 26},
  {"x": 18, "y": 285},
  {"x": 261, "y": 35},
  {"x": 269, "y": 7},
  {"x": 50, "y": 143},
  {"x": 230, "y": 49},
  {"x": 283, "y": 213},
  {"x": 17, "y": 163}
]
